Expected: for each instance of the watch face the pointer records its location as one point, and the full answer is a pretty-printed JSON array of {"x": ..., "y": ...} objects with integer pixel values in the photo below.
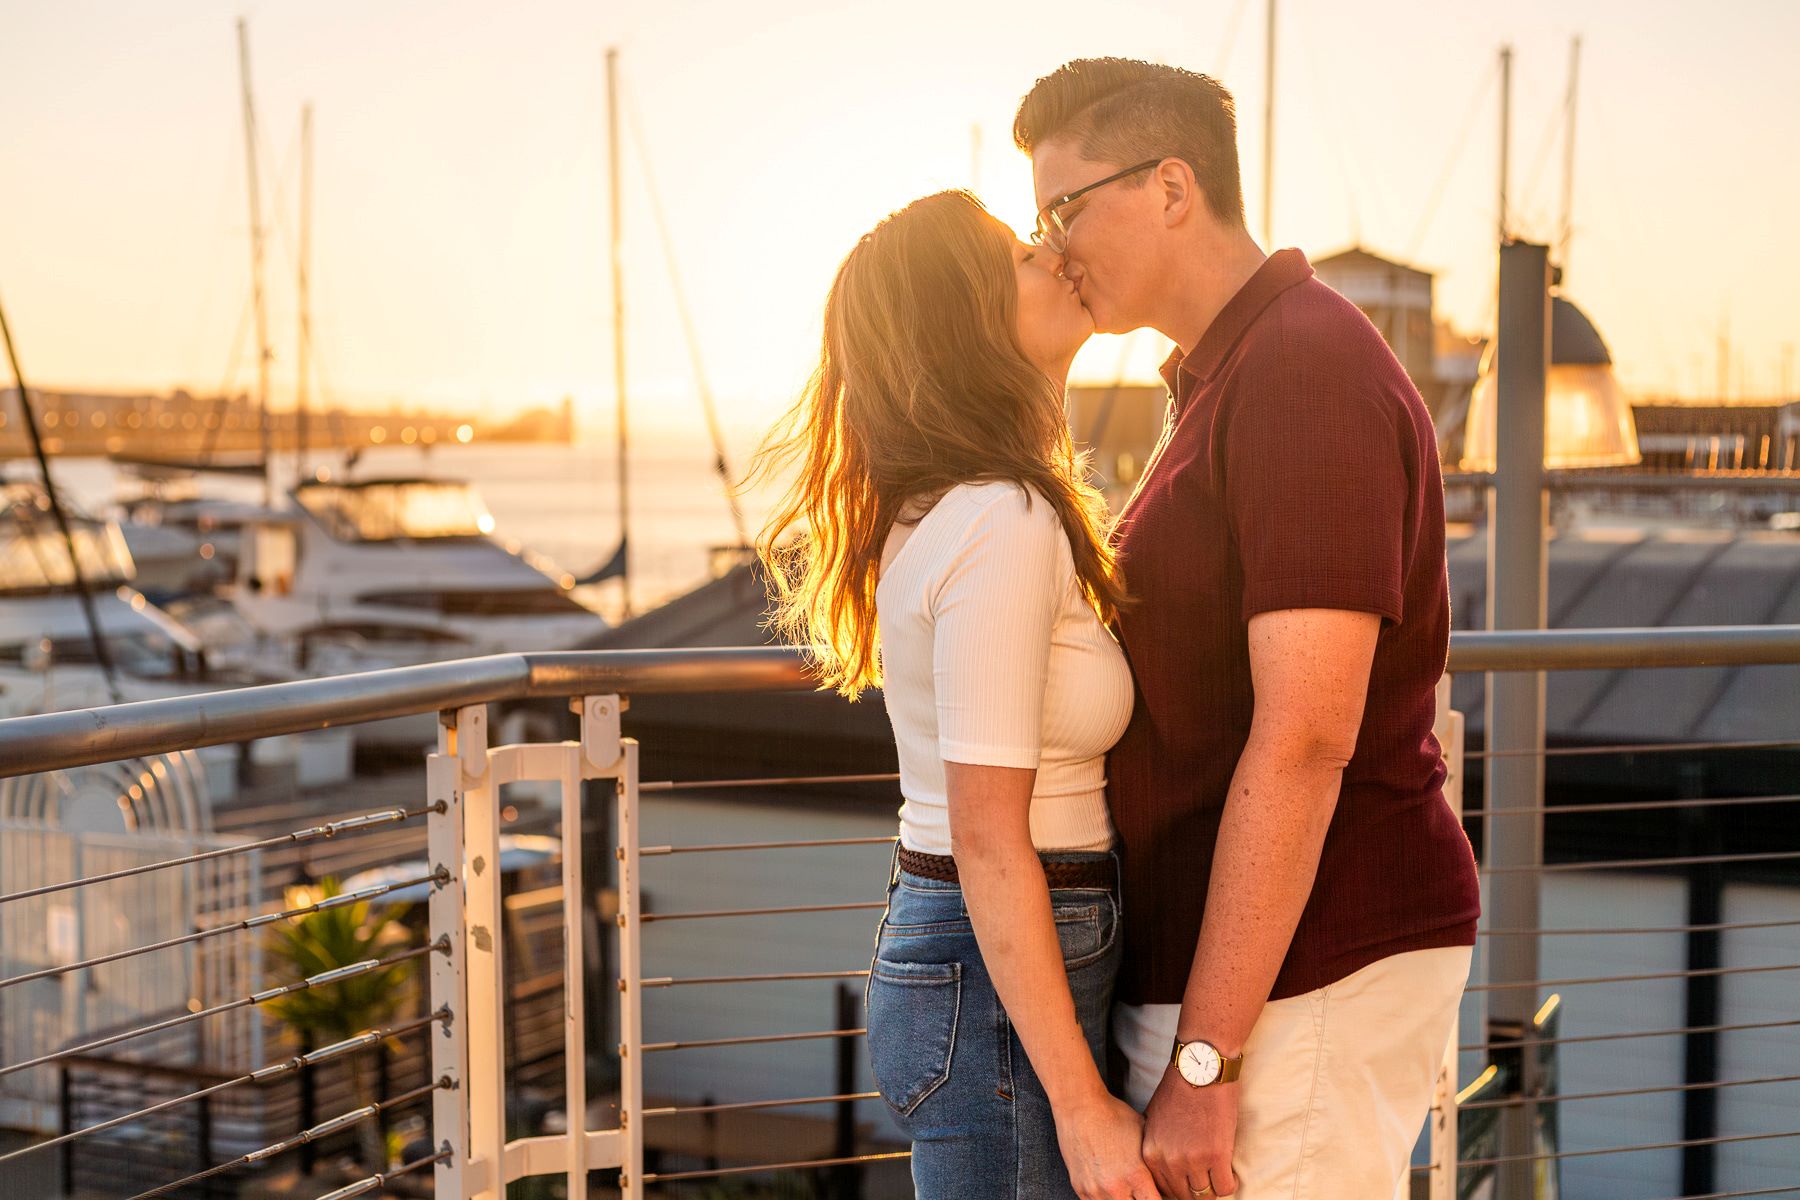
[{"x": 1199, "y": 1063}]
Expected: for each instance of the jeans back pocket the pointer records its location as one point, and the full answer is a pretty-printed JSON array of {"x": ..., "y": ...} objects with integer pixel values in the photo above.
[{"x": 913, "y": 1012}]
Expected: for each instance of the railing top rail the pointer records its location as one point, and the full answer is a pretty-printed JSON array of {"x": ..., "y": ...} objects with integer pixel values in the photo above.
[
  {"x": 53, "y": 741},
  {"x": 1622, "y": 649}
]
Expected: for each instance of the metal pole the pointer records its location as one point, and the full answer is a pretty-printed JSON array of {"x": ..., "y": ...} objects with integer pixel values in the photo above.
[
  {"x": 1268, "y": 200},
  {"x": 1517, "y": 508},
  {"x": 303, "y": 353},
  {"x": 256, "y": 262},
  {"x": 1568, "y": 192},
  {"x": 77, "y": 575},
  {"x": 1703, "y": 993},
  {"x": 1505, "y": 135},
  {"x": 846, "y": 1180},
  {"x": 618, "y": 299},
  {"x": 65, "y": 1092}
]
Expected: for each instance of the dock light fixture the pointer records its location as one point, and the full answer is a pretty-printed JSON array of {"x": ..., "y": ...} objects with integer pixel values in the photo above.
[{"x": 1587, "y": 417}]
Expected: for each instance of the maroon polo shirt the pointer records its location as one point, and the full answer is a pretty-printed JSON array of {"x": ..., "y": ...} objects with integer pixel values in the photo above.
[{"x": 1298, "y": 468}]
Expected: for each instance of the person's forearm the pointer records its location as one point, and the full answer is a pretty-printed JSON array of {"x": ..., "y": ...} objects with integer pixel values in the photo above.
[
  {"x": 1009, "y": 905},
  {"x": 1282, "y": 797}
]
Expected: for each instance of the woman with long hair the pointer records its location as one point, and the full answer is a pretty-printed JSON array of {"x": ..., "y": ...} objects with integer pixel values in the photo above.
[{"x": 952, "y": 553}]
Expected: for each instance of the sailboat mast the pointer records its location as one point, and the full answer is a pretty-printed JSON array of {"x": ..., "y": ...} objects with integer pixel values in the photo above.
[
  {"x": 1568, "y": 194},
  {"x": 1505, "y": 136},
  {"x": 303, "y": 357},
  {"x": 256, "y": 262},
  {"x": 96, "y": 639},
  {"x": 1268, "y": 200},
  {"x": 618, "y": 297}
]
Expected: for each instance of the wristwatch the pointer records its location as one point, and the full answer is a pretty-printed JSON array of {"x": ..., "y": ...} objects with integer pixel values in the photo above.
[{"x": 1201, "y": 1064}]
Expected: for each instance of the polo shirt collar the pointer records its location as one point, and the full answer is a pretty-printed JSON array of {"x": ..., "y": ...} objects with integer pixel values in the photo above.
[{"x": 1279, "y": 272}]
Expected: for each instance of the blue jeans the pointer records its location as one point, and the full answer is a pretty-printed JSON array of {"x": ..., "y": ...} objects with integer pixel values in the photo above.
[{"x": 947, "y": 1060}]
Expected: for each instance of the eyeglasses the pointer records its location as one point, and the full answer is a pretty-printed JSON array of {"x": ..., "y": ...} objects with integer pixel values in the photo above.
[{"x": 1054, "y": 219}]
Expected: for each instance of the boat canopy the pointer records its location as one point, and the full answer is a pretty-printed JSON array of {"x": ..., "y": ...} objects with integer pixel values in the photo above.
[
  {"x": 386, "y": 510},
  {"x": 34, "y": 558}
]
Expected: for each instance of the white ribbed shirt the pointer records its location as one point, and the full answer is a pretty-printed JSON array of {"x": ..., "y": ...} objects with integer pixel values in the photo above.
[{"x": 992, "y": 657}]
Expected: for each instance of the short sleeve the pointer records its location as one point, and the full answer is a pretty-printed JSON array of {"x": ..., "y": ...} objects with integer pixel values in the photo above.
[
  {"x": 1316, "y": 488},
  {"x": 993, "y": 613}
]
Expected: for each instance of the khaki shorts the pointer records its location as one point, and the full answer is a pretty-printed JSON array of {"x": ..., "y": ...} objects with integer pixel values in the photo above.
[{"x": 1336, "y": 1084}]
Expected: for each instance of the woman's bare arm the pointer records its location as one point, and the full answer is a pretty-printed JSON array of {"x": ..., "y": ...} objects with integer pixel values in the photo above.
[{"x": 1008, "y": 899}]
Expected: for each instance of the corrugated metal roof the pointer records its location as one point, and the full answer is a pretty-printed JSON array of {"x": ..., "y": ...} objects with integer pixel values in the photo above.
[{"x": 1633, "y": 578}]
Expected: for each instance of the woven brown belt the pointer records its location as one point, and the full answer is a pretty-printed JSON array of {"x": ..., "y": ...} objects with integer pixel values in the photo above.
[{"x": 1094, "y": 873}]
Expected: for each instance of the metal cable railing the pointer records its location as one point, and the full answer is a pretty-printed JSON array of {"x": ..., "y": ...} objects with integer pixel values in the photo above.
[
  {"x": 1739, "y": 1195},
  {"x": 1644, "y": 977},
  {"x": 375, "y": 1183},
  {"x": 1642, "y": 864},
  {"x": 50, "y": 741},
  {"x": 846, "y": 1152},
  {"x": 1635, "y": 748},
  {"x": 1662, "y": 869},
  {"x": 439, "y": 876},
  {"x": 786, "y": 910},
  {"x": 311, "y": 1058},
  {"x": 776, "y": 783},
  {"x": 1625, "y": 1035},
  {"x": 713, "y": 785},
  {"x": 802, "y": 844},
  {"x": 1560, "y": 810},
  {"x": 755, "y": 1039},
  {"x": 86, "y": 1058},
  {"x": 335, "y": 975},
  {"x": 674, "y": 1110},
  {"x": 766, "y": 977},
  {"x": 330, "y": 830},
  {"x": 765, "y": 1168},
  {"x": 1622, "y": 1093},
  {"x": 738, "y": 1144},
  {"x": 317, "y": 1132},
  {"x": 1647, "y": 862},
  {"x": 1714, "y": 927},
  {"x": 1560, "y": 1155}
]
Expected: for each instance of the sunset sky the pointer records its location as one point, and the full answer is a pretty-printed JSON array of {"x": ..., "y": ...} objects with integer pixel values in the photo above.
[{"x": 460, "y": 210}]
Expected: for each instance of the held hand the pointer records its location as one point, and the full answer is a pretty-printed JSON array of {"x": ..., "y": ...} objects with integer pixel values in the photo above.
[
  {"x": 1189, "y": 1134},
  {"x": 1101, "y": 1143}
]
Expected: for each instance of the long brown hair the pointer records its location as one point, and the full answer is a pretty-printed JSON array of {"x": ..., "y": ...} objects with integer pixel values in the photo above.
[{"x": 921, "y": 385}]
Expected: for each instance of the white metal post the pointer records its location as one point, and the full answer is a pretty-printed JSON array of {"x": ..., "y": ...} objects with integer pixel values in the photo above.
[
  {"x": 574, "y": 980},
  {"x": 450, "y": 1040},
  {"x": 631, "y": 1013},
  {"x": 482, "y": 959},
  {"x": 1444, "y": 1134}
]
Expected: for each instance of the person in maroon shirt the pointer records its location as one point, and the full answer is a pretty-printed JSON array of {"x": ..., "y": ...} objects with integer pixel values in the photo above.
[{"x": 1299, "y": 901}]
